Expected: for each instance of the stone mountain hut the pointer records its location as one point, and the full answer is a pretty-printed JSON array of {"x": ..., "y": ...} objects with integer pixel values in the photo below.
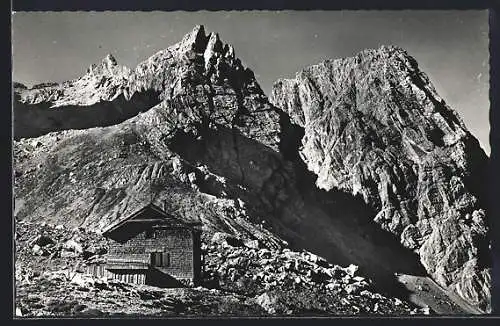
[{"x": 152, "y": 247}]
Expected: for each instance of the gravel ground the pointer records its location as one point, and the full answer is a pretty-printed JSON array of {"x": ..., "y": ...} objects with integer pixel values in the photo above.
[{"x": 240, "y": 279}]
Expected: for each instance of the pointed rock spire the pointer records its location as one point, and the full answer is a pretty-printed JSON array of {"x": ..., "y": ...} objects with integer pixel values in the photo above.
[
  {"x": 109, "y": 60},
  {"x": 230, "y": 52},
  {"x": 196, "y": 40},
  {"x": 214, "y": 46},
  {"x": 107, "y": 63}
]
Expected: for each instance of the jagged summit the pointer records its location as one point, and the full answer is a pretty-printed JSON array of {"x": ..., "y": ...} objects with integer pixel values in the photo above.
[
  {"x": 385, "y": 69},
  {"x": 385, "y": 50},
  {"x": 106, "y": 64},
  {"x": 199, "y": 62},
  {"x": 384, "y": 54}
]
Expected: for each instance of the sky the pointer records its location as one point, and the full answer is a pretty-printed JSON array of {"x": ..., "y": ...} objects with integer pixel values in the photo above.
[{"x": 451, "y": 47}]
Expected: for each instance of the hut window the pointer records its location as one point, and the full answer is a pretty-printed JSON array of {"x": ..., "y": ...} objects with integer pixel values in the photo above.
[
  {"x": 160, "y": 259},
  {"x": 166, "y": 259},
  {"x": 157, "y": 259}
]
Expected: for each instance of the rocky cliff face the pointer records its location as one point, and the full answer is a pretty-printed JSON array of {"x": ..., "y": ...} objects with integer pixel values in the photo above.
[
  {"x": 375, "y": 127},
  {"x": 210, "y": 146}
]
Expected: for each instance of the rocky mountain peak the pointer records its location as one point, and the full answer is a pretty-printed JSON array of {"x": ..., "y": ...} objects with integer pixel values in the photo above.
[
  {"x": 202, "y": 68},
  {"x": 374, "y": 126},
  {"x": 107, "y": 65},
  {"x": 108, "y": 62}
]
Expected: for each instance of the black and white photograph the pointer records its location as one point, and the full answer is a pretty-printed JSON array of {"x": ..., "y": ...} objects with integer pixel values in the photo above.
[{"x": 201, "y": 164}]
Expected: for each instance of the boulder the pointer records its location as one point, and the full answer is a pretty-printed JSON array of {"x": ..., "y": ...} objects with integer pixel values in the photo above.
[
  {"x": 73, "y": 246},
  {"x": 37, "y": 250},
  {"x": 267, "y": 301},
  {"x": 254, "y": 244},
  {"x": 68, "y": 254},
  {"x": 44, "y": 240},
  {"x": 351, "y": 270},
  {"x": 226, "y": 239},
  {"x": 82, "y": 280}
]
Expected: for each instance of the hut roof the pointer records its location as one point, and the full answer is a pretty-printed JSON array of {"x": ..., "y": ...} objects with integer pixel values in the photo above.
[{"x": 146, "y": 217}]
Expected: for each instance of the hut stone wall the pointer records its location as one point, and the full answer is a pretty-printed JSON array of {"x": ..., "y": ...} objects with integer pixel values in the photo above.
[{"x": 174, "y": 244}]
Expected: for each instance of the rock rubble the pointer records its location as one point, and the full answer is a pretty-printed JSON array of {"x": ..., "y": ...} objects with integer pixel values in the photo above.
[{"x": 238, "y": 280}]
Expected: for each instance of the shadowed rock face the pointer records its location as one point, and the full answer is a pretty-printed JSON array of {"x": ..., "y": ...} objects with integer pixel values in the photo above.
[
  {"x": 39, "y": 119},
  {"x": 210, "y": 146},
  {"x": 374, "y": 126}
]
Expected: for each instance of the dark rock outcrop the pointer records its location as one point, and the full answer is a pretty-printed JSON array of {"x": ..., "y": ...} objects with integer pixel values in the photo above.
[{"x": 375, "y": 127}]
